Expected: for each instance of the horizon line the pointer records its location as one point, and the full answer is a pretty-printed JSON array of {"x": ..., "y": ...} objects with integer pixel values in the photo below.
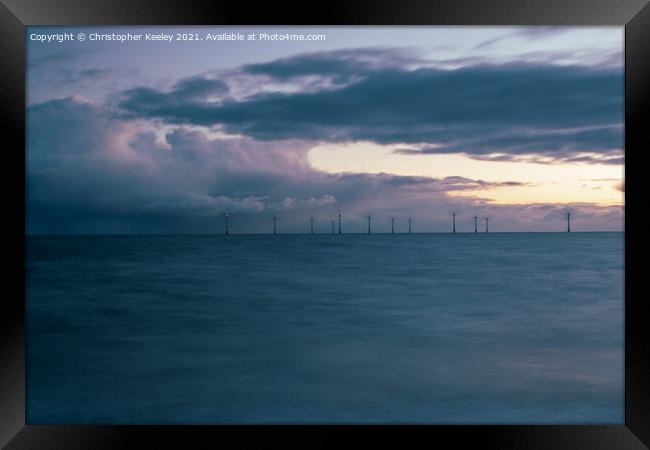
[{"x": 364, "y": 233}]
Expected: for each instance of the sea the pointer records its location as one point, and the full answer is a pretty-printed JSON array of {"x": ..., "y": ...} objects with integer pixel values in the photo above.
[{"x": 487, "y": 328}]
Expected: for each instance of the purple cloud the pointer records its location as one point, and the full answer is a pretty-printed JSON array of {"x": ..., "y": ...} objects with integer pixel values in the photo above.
[
  {"x": 520, "y": 109},
  {"x": 89, "y": 171}
]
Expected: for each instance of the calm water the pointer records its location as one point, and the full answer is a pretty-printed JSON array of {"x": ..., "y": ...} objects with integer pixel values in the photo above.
[{"x": 435, "y": 328}]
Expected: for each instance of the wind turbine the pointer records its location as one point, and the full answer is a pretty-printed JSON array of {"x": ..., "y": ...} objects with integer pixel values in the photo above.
[{"x": 339, "y": 222}]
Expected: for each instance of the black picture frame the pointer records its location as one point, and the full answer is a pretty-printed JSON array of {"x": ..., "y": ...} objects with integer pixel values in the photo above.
[{"x": 15, "y": 15}]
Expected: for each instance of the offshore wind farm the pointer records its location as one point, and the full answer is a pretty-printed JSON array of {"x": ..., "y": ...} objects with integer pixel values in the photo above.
[{"x": 409, "y": 230}]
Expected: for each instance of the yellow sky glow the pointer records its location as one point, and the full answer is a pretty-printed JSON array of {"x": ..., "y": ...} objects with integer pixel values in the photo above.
[{"x": 546, "y": 183}]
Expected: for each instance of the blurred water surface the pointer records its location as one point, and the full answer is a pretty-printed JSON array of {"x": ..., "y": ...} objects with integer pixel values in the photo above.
[{"x": 421, "y": 328}]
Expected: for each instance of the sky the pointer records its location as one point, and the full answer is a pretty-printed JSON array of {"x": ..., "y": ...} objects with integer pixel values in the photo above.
[{"x": 519, "y": 124}]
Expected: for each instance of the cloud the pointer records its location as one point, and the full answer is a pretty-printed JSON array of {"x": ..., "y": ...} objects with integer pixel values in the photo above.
[
  {"x": 291, "y": 203},
  {"x": 188, "y": 91},
  {"x": 60, "y": 57},
  {"x": 339, "y": 65},
  {"x": 528, "y": 33},
  {"x": 176, "y": 159},
  {"x": 612, "y": 157},
  {"x": 76, "y": 71},
  {"x": 67, "y": 76},
  {"x": 196, "y": 203},
  {"x": 197, "y": 87},
  {"x": 111, "y": 175},
  {"x": 558, "y": 112}
]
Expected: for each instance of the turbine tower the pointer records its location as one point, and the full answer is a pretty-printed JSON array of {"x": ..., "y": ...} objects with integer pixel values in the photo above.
[
  {"x": 311, "y": 224},
  {"x": 227, "y": 220},
  {"x": 568, "y": 222},
  {"x": 486, "y": 224},
  {"x": 339, "y": 222},
  {"x": 392, "y": 225},
  {"x": 274, "y": 228},
  {"x": 409, "y": 225},
  {"x": 368, "y": 224},
  {"x": 475, "y": 224},
  {"x": 453, "y": 215}
]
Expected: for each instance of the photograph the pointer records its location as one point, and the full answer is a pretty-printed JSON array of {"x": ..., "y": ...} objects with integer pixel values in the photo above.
[{"x": 325, "y": 225}]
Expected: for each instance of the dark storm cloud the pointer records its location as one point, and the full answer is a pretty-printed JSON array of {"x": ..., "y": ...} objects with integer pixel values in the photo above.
[
  {"x": 603, "y": 144},
  {"x": 90, "y": 172},
  {"x": 191, "y": 88},
  {"x": 97, "y": 168},
  {"x": 189, "y": 91},
  {"x": 515, "y": 109}
]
